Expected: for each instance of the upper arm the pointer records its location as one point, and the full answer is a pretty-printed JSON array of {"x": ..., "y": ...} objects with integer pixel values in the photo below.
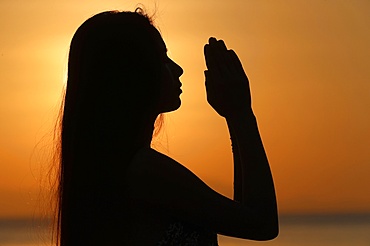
[{"x": 162, "y": 182}]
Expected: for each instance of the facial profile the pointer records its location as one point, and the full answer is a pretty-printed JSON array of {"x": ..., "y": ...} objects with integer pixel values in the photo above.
[
  {"x": 170, "y": 83},
  {"x": 171, "y": 87}
]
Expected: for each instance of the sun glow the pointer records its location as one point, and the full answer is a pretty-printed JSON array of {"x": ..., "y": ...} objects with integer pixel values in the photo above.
[{"x": 308, "y": 70}]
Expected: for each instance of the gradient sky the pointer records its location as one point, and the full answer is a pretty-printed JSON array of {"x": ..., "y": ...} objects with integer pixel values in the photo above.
[{"x": 309, "y": 67}]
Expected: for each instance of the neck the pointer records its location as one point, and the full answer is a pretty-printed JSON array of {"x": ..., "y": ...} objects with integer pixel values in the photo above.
[{"x": 144, "y": 138}]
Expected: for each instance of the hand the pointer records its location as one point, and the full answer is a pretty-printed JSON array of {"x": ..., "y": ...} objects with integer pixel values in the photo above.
[{"x": 227, "y": 84}]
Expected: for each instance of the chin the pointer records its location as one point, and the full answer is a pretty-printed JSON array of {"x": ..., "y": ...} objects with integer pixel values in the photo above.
[{"x": 174, "y": 106}]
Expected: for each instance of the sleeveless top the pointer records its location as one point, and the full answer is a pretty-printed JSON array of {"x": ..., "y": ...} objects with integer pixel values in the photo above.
[{"x": 183, "y": 234}]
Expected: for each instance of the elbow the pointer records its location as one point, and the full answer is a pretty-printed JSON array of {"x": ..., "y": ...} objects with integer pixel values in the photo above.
[
  {"x": 270, "y": 234},
  {"x": 266, "y": 229},
  {"x": 265, "y": 234},
  {"x": 269, "y": 225},
  {"x": 269, "y": 231},
  {"x": 261, "y": 234},
  {"x": 259, "y": 230}
]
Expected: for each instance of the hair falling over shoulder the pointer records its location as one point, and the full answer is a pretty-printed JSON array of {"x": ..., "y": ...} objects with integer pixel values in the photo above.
[{"x": 111, "y": 92}]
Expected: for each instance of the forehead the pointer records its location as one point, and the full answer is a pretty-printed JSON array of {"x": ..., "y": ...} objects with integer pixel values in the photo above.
[{"x": 159, "y": 40}]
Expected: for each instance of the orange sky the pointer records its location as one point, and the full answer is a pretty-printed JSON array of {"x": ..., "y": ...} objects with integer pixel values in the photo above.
[{"x": 309, "y": 67}]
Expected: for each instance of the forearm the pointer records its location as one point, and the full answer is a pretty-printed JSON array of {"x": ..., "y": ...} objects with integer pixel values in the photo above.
[
  {"x": 238, "y": 178},
  {"x": 253, "y": 183}
]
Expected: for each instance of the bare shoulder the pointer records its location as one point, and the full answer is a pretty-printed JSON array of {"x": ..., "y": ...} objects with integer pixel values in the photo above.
[
  {"x": 148, "y": 159},
  {"x": 149, "y": 165},
  {"x": 160, "y": 181}
]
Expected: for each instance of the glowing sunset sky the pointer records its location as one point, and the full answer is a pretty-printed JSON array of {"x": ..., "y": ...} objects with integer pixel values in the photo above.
[{"x": 309, "y": 67}]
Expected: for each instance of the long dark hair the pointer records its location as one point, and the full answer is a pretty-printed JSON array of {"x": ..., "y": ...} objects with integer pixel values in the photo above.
[{"x": 111, "y": 95}]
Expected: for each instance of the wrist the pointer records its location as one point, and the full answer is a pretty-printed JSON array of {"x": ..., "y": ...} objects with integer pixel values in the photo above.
[
  {"x": 242, "y": 116},
  {"x": 241, "y": 125}
]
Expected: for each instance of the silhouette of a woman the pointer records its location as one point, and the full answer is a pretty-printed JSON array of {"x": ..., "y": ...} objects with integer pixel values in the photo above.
[{"x": 113, "y": 188}]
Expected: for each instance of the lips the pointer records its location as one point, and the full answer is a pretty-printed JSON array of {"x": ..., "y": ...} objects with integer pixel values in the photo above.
[{"x": 180, "y": 91}]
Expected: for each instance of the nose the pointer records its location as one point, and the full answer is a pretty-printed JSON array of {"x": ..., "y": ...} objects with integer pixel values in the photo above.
[{"x": 177, "y": 69}]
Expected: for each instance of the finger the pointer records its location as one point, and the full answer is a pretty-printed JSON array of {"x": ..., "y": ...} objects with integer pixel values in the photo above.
[
  {"x": 210, "y": 58},
  {"x": 219, "y": 52},
  {"x": 207, "y": 78},
  {"x": 206, "y": 75},
  {"x": 221, "y": 45},
  {"x": 212, "y": 40},
  {"x": 210, "y": 84},
  {"x": 232, "y": 64},
  {"x": 207, "y": 55},
  {"x": 228, "y": 59},
  {"x": 234, "y": 59},
  {"x": 212, "y": 79}
]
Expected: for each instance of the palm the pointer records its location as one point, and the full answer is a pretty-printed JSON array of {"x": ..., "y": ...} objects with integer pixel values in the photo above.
[{"x": 226, "y": 82}]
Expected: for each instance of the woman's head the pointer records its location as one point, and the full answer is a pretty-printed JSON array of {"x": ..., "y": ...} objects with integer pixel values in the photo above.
[
  {"x": 118, "y": 59},
  {"x": 119, "y": 78}
]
